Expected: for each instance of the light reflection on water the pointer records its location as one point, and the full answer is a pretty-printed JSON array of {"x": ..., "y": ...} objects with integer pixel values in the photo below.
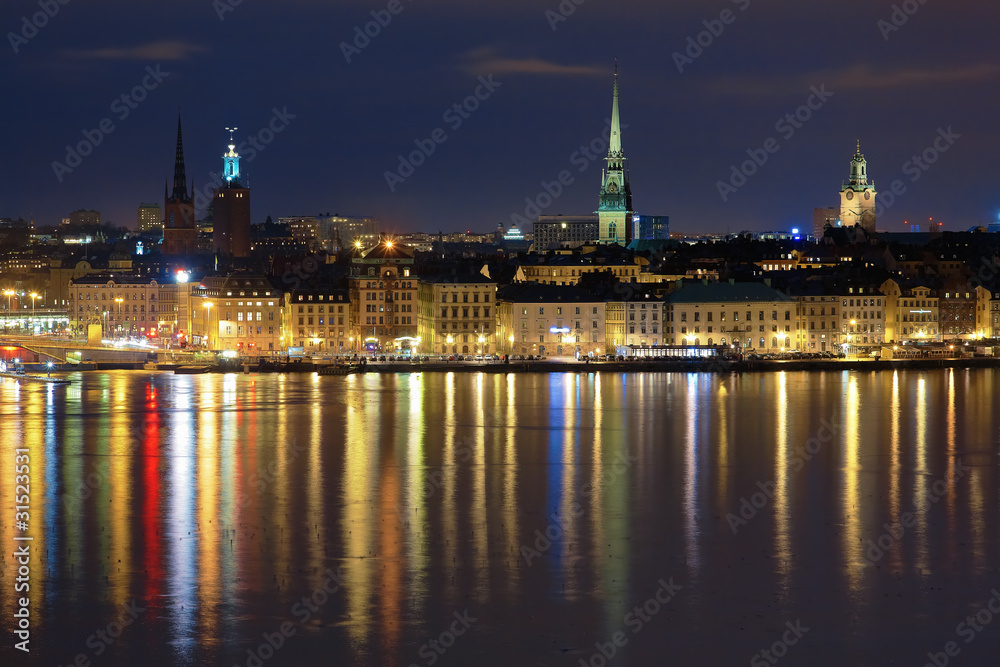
[{"x": 218, "y": 502}]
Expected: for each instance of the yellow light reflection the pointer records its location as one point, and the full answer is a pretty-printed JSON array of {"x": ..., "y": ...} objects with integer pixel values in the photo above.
[{"x": 851, "y": 492}]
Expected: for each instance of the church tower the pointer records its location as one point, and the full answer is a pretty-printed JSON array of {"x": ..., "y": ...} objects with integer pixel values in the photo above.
[
  {"x": 614, "y": 211},
  {"x": 180, "y": 233},
  {"x": 857, "y": 196},
  {"x": 231, "y": 208}
]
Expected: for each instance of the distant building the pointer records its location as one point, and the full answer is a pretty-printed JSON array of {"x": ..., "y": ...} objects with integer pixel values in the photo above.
[
  {"x": 82, "y": 217},
  {"x": 231, "y": 209},
  {"x": 150, "y": 218},
  {"x": 823, "y": 217},
  {"x": 564, "y": 230},
  {"x": 304, "y": 229},
  {"x": 180, "y": 231},
  {"x": 350, "y": 230},
  {"x": 650, "y": 227}
]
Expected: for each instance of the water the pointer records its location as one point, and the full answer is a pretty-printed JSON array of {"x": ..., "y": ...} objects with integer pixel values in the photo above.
[{"x": 465, "y": 519}]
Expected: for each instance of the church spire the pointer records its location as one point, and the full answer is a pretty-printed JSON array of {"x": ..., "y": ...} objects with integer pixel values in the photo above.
[
  {"x": 614, "y": 209},
  {"x": 180, "y": 192},
  {"x": 615, "y": 142},
  {"x": 859, "y": 169}
]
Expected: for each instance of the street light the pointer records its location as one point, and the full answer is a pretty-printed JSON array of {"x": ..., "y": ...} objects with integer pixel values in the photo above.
[
  {"x": 33, "y": 295},
  {"x": 118, "y": 321},
  {"x": 8, "y": 293},
  {"x": 208, "y": 323}
]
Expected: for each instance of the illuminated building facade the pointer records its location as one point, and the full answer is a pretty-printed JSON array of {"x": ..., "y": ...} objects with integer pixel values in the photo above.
[
  {"x": 319, "y": 321},
  {"x": 550, "y": 320},
  {"x": 383, "y": 293},
  {"x": 457, "y": 315}
]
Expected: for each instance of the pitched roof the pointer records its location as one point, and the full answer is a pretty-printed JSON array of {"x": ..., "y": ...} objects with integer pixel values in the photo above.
[{"x": 725, "y": 292}]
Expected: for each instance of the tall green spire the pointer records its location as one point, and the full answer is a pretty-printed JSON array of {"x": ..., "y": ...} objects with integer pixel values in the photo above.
[
  {"x": 615, "y": 143},
  {"x": 614, "y": 209}
]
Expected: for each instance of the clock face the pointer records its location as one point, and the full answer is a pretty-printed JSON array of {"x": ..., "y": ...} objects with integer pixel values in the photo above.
[
  {"x": 868, "y": 195},
  {"x": 850, "y": 195},
  {"x": 612, "y": 187}
]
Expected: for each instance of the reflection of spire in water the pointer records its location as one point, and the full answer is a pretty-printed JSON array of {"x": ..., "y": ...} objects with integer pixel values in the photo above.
[{"x": 614, "y": 512}]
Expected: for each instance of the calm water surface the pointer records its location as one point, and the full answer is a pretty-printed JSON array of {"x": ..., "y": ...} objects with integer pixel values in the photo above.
[{"x": 465, "y": 519}]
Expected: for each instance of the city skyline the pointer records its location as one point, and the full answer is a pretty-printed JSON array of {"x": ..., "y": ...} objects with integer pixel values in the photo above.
[{"x": 691, "y": 110}]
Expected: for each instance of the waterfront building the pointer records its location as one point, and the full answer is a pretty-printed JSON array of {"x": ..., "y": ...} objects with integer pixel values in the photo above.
[
  {"x": 633, "y": 319},
  {"x": 550, "y": 320},
  {"x": 239, "y": 312},
  {"x": 318, "y": 321},
  {"x": 957, "y": 309},
  {"x": 457, "y": 314},
  {"x": 817, "y": 327},
  {"x": 911, "y": 312},
  {"x": 746, "y": 315},
  {"x": 124, "y": 305},
  {"x": 383, "y": 292}
]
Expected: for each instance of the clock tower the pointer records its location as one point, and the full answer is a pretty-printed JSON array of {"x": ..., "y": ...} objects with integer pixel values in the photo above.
[
  {"x": 857, "y": 196},
  {"x": 614, "y": 211}
]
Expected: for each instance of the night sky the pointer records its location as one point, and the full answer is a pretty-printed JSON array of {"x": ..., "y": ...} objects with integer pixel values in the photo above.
[{"x": 893, "y": 90}]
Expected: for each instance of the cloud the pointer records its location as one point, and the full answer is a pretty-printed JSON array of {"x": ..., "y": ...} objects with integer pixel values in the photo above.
[
  {"x": 855, "y": 77},
  {"x": 487, "y": 60},
  {"x": 160, "y": 51}
]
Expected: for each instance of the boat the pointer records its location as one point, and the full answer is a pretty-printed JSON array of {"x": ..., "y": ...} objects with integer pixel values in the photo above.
[
  {"x": 23, "y": 377},
  {"x": 191, "y": 370},
  {"x": 338, "y": 370}
]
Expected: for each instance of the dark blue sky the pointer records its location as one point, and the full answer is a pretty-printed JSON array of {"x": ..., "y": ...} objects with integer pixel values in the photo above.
[{"x": 683, "y": 130}]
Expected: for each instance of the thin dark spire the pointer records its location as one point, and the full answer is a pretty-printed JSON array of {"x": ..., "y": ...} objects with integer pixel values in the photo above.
[{"x": 180, "y": 192}]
